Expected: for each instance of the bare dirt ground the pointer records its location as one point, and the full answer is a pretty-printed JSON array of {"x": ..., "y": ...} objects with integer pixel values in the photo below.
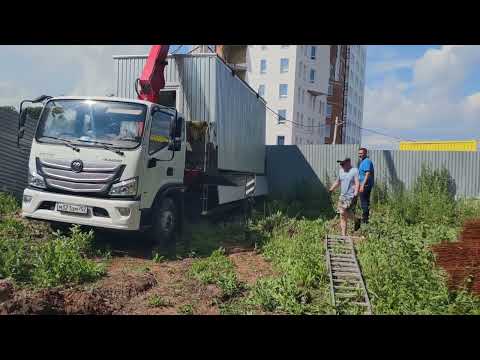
[
  {"x": 461, "y": 259},
  {"x": 135, "y": 284}
]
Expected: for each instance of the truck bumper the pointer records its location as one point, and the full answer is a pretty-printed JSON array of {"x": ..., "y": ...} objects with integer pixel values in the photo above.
[{"x": 42, "y": 206}]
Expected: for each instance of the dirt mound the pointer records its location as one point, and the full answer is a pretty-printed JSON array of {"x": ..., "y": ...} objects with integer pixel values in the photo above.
[
  {"x": 250, "y": 266},
  {"x": 461, "y": 259},
  {"x": 106, "y": 298}
]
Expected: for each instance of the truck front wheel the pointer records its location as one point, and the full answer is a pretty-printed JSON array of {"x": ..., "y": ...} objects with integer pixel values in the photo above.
[{"x": 165, "y": 220}]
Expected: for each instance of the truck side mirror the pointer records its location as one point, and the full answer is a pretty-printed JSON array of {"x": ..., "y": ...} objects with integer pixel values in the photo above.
[
  {"x": 178, "y": 127},
  {"x": 176, "y": 134},
  {"x": 23, "y": 118}
]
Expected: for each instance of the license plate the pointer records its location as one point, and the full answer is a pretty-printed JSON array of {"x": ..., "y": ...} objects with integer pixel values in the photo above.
[{"x": 77, "y": 209}]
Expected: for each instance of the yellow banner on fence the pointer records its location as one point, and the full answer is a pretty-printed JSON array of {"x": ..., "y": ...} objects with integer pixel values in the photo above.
[{"x": 463, "y": 145}]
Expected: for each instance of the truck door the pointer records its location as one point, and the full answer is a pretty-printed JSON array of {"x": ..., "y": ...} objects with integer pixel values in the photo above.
[{"x": 164, "y": 166}]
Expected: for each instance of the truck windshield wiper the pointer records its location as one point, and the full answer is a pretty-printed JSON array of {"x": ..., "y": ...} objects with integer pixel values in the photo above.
[
  {"x": 106, "y": 146},
  {"x": 65, "y": 141}
]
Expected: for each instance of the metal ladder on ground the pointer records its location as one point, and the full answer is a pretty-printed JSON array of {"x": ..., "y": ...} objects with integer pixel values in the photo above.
[{"x": 346, "y": 281}]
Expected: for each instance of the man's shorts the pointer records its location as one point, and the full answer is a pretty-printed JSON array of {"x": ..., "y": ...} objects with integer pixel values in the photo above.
[{"x": 346, "y": 204}]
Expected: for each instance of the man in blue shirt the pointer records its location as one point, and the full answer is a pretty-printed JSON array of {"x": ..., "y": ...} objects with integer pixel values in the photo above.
[
  {"x": 348, "y": 181},
  {"x": 366, "y": 175}
]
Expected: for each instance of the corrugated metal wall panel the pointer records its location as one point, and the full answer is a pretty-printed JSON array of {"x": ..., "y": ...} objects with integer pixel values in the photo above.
[
  {"x": 209, "y": 92},
  {"x": 287, "y": 166},
  {"x": 13, "y": 160},
  {"x": 241, "y": 121}
]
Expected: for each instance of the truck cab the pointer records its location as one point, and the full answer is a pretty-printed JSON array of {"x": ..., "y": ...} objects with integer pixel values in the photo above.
[{"x": 107, "y": 162}]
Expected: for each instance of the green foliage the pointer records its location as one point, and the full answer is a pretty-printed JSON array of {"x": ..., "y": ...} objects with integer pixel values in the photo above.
[
  {"x": 62, "y": 260},
  {"x": 186, "y": 309},
  {"x": 157, "y": 257},
  {"x": 295, "y": 248},
  {"x": 468, "y": 209},
  {"x": 219, "y": 270},
  {"x": 307, "y": 199},
  {"x": 156, "y": 301},
  {"x": 396, "y": 259},
  {"x": 55, "y": 261},
  {"x": 431, "y": 200},
  {"x": 8, "y": 204},
  {"x": 400, "y": 272}
]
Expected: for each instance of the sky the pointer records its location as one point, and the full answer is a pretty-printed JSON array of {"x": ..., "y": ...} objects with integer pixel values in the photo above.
[{"x": 426, "y": 92}]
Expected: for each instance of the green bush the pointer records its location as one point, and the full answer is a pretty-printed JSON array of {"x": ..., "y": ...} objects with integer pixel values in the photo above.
[
  {"x": 8, "y": 204},
  {"x": 400, "y": 272},
  {"x": 295, "y": 248},
  {"x": 219, "y": 270},
  {"x": 55, "y": 261},
  {"x": 431, "y": 200},
  {"x": 63, "y": 261}
]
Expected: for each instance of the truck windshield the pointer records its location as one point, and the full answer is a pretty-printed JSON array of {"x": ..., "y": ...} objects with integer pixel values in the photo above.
[{"x": 89, "y": 122}]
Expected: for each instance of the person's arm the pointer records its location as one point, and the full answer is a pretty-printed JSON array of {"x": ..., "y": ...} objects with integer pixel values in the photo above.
[
  {"x": 357, "y": 185},
  {"x": 362, "y": 186},
  {"x": 367, "y": 166},
  {"x": 334, "y": 186}
]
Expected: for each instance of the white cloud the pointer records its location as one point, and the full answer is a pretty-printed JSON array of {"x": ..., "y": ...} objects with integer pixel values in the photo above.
[
  {"x": 431, "y": 100},
  {"x": 59, "y": 70}
]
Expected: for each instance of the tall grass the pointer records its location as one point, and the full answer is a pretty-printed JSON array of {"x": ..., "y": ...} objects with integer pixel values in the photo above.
[
  {"x": 57, "y": 260},
  {"x": 396, "y": 258}
]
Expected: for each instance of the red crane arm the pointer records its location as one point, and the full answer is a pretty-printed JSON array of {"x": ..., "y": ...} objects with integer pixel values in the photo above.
[{"x": 152, "y": 79}]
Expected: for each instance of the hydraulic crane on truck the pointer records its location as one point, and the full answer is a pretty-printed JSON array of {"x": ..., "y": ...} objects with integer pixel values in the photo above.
[{"x": 152, "y": 79}]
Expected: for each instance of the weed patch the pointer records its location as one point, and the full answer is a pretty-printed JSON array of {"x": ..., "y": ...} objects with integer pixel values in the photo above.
[
  {"x": 219, "y": 270},
  {"x": 57, "y": 260}
]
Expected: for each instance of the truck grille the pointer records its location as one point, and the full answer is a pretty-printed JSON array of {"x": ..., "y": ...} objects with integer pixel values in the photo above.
[{"x": 94, "y": 178}]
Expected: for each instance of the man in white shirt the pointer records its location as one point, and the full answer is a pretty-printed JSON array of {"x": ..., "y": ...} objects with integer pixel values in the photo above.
[{"x": 349, "y": 185}]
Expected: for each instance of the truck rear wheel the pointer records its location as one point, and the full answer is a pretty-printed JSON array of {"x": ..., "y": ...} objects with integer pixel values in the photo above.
[{"x": 165, "y": 222}]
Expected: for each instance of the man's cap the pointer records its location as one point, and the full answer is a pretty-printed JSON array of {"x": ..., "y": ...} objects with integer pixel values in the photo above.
[{"x": 341, "y": 162}]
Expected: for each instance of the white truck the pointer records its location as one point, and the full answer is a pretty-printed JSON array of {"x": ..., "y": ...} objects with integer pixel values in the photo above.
[{"x": 130, "y": 164}]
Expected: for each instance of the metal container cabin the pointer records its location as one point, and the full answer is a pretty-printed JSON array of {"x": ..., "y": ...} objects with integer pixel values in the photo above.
[{"x": 208, "y": 90}]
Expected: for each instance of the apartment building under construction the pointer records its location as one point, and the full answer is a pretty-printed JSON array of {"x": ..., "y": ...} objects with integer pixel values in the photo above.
[{"x": 306, "y": 88}]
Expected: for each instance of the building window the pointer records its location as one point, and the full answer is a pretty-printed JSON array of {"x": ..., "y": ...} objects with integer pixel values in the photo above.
[
  {"x": 282, "y": 116},
  {"x": 280, "y": 140},
  {"x": 283, "y": 91},
  {"x": 329, "y": 110},
  {"x": 261, "y": 90},
  {"x": 313, "y": 52},
  {"x": 330, "y": 90},
  {"x": 284, "y": 65},
  {"x": 304, "y": 72},
  {"x": 303, "y": 97},
  {"x": 301, "y": 120},
  {"x": 312, "y": 76},
  {"x": 263, "y": 66},
  {"x": 299, "y": 95},
  {"x": 305, "y": 47}
]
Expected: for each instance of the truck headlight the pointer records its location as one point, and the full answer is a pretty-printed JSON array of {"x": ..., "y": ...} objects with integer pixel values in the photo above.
[
  {"x": 124, "y": 188},
  {"x": 36, "y": 180}
]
